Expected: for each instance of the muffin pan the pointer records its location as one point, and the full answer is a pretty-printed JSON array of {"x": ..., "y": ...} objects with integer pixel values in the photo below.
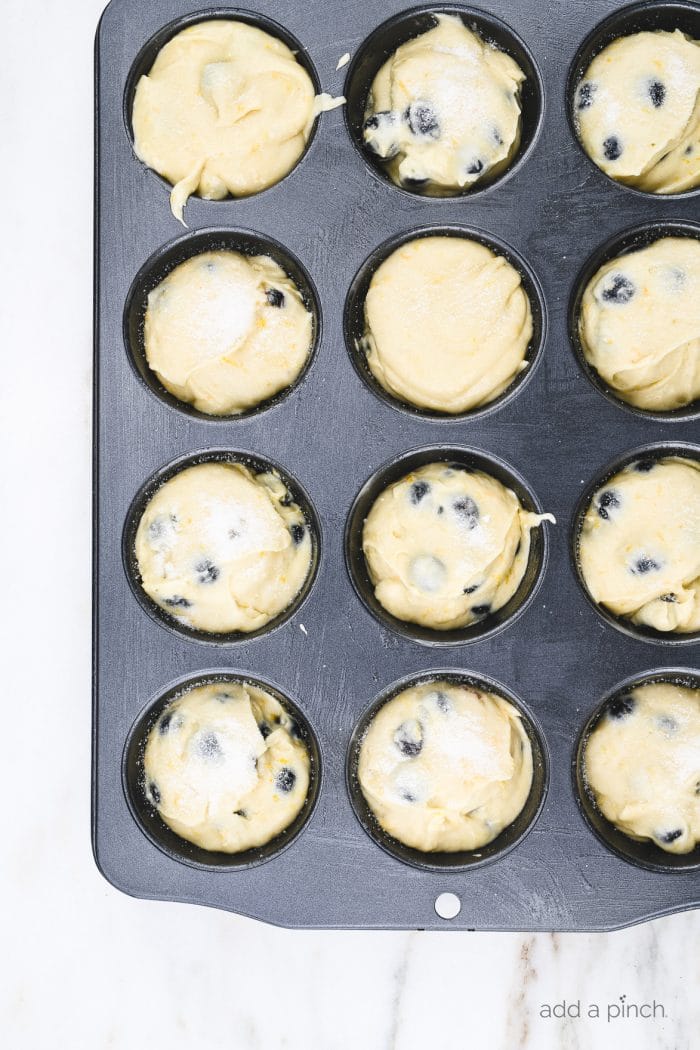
[{"x": 552, "y": 436}]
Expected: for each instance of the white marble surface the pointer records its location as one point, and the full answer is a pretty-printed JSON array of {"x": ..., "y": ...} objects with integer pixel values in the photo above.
[{"x": 86, "y": 967}]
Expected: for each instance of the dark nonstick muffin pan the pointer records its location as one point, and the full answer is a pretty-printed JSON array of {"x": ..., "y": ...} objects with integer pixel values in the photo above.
[{"x": 331, "y": 436}]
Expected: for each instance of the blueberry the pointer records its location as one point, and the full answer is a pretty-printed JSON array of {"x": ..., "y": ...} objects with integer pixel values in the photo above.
[
  {"x": 294, "y": 730},
  {"x": 285, "y": 779},
  {"x": 667, "y": 724},
  {"x": 161, "y": 526},
  {"x": 671, "y": 836},
  {"x": 209, "y": 747},
  {"x": 408, "y": 796},
  {"x": 427, "y": 572},
  {"x": 657, "y": 93},
  {"x": 206, "y": 571},
  {"x": 643, "y": 466},
  {"x": 386, "y": 118},
  {"x": 586, "y": 91},
  {"x": 496, "y": 136},
  {"x": 621, "y": 706},
  {"x": 443, "y": 701},
  {"x": 606, "y": 501},
  {"x": 177, "y": 602},
  {"x": 481, "y": 610},
  {"x": 240, "y": 813},
  {"x": 475, "y": 168},
  {"x": 677, "y": 277},
  {"x": 670, "y": 598},
  {"x": 297, "y": 532},
  {"x": 164, "y": 723},
  {"x": 688, "y": 150},
  {"x": 619, "y": 290},
  {"x": 422, "y": 120},
  {"x": 154, "y": 792},
  {"x": 612, "y": 148},
  {"x": 644, "y": 565},
  {"x": 264, "y": 730},
  {"x": 409, "y": 738},
  {"x": 441, "y": 509},
  {"x": 471, "y": 589},
  {"x": 275, "y": 297},
  {"x": 468, "y": 510},
  {"x": 419, "y": 489}
]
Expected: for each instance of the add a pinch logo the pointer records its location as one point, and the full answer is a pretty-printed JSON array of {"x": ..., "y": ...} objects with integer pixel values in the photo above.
[{"x": 619, "y": 1009}]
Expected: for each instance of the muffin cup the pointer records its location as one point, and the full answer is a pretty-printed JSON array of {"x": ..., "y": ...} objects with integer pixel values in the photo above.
[
  {"x": 258, "y": 465},
  {"x": 658, "y": 450},
  {"x": 354, "y": 325},
  {"x": 152, "y": 824},
  {"x": 462, "y": 860},
  {"x": 390, "y": 35},
  {"x": 636, "y": 18},
  {"x": 171, "y": 255},
  {"x": 459, "y": 457},
  {"x": 630, "y": 240},
  {"x": 644, "y": 853},
  {"x": 143, "y": 63}
]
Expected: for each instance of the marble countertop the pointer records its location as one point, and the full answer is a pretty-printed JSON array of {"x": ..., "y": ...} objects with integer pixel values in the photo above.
[{"x": 87, "y": 967}]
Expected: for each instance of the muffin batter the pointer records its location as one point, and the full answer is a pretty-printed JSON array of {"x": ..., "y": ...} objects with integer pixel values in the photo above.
[
  {"x": 639, "y": 547},
  {"x": 638, "y": 111},
  {"x": 224, "y": 331},
  {"x": 448, "y": 324},
  {"x": 640, "y": 324},
  {"x": 642, "y": 764},
  {"x": 221, "y": 549},
  {"x": 446, "y": 546},
  {"x": 445, "y": 767},
  {"x": 225, "y": 109},
  {"x": 444, "y": 110},
  {"x": 225, "y": 767}
]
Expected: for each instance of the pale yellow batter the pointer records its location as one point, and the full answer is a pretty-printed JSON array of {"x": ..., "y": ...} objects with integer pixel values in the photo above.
[
  {"x": 445, "y": 767},
  {"x": 640, "y": 324},
  {"x": 639, "y": 547},
  {"x": 448, "y": 324},
  {"x": 444, "y": 110},
  {"x": 445, "y": 547},
  {"x": 224, "y": 331},
  {"x": 225, "y": 109},
  {"x": 642, "y": 764},
  {"x": 638, "y": 111},
  {"x": 221, "y": 549},
  {"x": 225, "y": 767}
]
